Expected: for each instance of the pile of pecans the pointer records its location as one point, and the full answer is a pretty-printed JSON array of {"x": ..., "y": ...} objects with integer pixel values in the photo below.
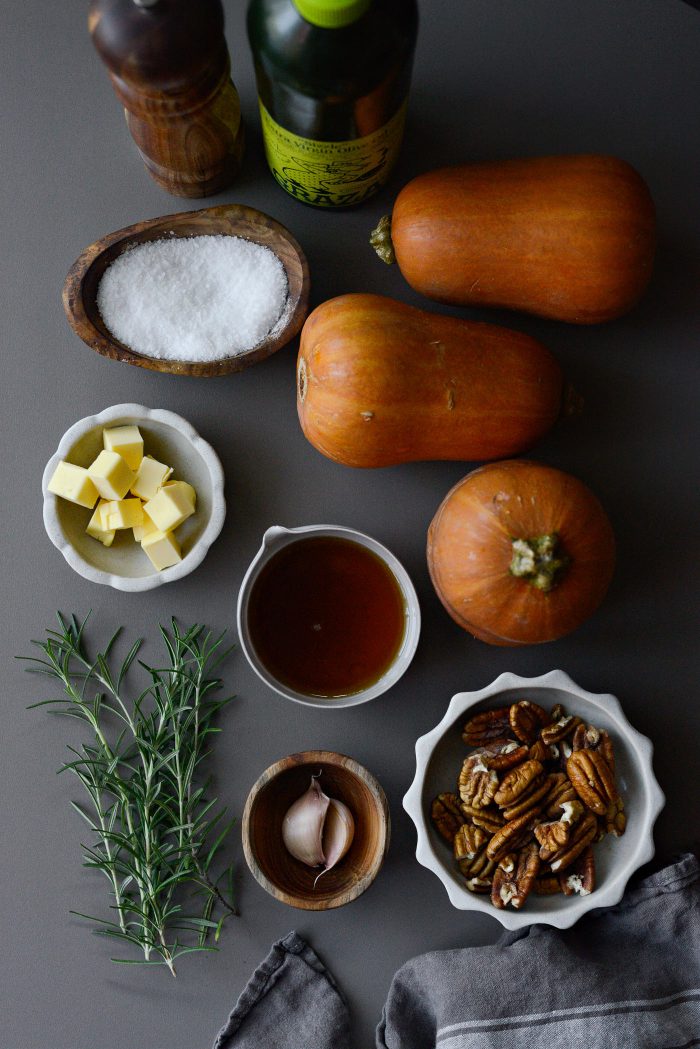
[{"x": 534, "y": 796}]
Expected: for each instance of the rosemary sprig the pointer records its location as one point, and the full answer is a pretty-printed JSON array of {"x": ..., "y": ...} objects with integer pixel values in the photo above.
[{"x": 155, "y": 833}]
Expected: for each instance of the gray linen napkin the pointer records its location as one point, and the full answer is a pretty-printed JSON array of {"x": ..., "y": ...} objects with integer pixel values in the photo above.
[
  {"x": 290, "y": 1002},
  {"x": 623, "y": 978}
]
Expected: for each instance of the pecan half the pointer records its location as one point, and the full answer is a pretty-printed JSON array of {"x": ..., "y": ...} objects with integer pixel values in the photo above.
[
  {"x": 447, "y": 816},
  {"x": 489, "y": 819},
  {"x": 546, "y": 885},
  {"x": 530, "y": 801},
  {"x": 615, "y": 818},
  {"x": 526, "y": 720},
  {"x": 560, "y": 791},
  {"x": 592, "y": 780},
  {"x": 477, "y": 784},
  {"x": 487, "y": 726},
  {"x": 510, "y": 837},
  {"x": 551, "y": 837},
  {"x": 582, "y": 835},
  {"x": 482, "y": 886},
  {"x": 559, "y": 730},
  {"x": 539, "y": 751},
  {"x": 469, "y": 840},
  {"x": 516, "y": 782},
  {"x": 513, "y": 886},
  {"x": 580, "y": 876},
  {"x": 478, "y": 867},
  {"x": 507, "y": 863},
  {"x": 588, "y": 737},
  {"x": 503, "y": 754}
]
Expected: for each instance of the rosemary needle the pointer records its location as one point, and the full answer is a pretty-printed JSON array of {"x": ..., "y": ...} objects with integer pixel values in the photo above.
[{"x": 154, "y": 832}]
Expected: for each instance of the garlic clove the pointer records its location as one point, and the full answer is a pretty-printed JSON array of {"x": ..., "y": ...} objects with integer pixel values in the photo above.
[
  {"x": 338, "y": 832},
  {"x": 303, "y": 824}
]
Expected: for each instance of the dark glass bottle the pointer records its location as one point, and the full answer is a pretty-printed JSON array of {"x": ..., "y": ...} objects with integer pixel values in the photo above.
[{"x": 333, "y": 79}]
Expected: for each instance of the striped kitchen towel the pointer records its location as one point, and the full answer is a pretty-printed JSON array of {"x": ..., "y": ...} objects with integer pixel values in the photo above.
[
  {"x": 627, "y": 977},
  {"x": 623, "y": 978}
]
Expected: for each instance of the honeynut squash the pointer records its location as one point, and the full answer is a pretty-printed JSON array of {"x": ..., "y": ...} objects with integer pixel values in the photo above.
[{"x": 381, "y": 383}]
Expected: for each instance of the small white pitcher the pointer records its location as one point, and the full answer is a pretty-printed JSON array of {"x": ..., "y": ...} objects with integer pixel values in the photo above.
[{"x": 274, "y": 540}]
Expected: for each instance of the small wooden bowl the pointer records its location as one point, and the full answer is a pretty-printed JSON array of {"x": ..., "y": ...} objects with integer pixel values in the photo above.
[
  {"x": 286, "y": 878},
  {"x": 82, "y": 282}
]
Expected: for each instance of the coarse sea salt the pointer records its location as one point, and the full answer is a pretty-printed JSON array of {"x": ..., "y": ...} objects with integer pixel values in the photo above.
[{"x": 194, "y": 298}]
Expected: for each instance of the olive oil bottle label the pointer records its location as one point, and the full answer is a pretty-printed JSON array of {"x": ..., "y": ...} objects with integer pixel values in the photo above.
[{"x": 332, "y": 174}]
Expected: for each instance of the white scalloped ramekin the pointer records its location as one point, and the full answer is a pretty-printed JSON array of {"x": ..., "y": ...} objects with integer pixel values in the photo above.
[
  {"x": 439, "y": 757},
  {"x": 124, "y": 566}
]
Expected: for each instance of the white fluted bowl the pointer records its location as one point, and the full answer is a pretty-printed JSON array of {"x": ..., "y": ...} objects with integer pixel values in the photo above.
[
  {"x": 172, "y": 440},
  {"x": 439, "y": 757}
]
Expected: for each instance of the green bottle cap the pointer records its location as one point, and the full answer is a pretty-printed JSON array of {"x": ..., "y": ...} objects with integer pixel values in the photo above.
[{"x": 331, "y": 14}]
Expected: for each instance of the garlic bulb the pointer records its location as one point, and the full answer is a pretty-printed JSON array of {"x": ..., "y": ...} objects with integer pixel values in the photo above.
[{"x": 317, "y": 829}]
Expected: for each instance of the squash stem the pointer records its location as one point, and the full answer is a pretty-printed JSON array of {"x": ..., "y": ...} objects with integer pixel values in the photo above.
[
  {"x": 380, "y": 239},
  {"x": 540, "y": 560}
]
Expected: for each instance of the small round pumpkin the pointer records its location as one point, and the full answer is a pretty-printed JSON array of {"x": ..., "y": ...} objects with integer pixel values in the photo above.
[{"x": 520, "y": 553}]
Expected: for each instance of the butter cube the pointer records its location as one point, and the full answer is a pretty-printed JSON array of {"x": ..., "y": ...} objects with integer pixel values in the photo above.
[
  {"x": 185, "y": 488},
  {"x": 100, "y": 509},
  {"x": 127, "y": 442},
  {"x": 142, "y": 530},
  {"x": 75, "y": 484},
  {"x": 162, "y": 549},
  {"x": 97, "y": 525},
  {"x": 123, "y": 513},
  {"x": 170, "y": 506},
  {"x": 150, "y": 476},
  {"x": 111, "y": 475}
]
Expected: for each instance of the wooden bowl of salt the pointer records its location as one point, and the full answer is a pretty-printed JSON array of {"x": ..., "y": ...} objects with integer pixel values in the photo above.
[{"x": 197, "y": 293}]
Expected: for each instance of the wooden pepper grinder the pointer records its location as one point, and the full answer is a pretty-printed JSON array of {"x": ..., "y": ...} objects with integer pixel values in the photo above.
[{"x": 170, "y": 67}]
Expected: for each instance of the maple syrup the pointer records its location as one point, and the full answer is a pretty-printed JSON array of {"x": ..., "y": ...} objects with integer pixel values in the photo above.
[{"x": 326, "y": 617}]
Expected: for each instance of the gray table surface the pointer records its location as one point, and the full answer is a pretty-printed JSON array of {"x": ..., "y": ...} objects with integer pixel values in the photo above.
[{"x": 493, "y": 78}]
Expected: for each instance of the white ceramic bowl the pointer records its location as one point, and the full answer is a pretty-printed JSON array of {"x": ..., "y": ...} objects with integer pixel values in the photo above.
[
  {"x": 439, "y": 757},
  {"x": 124, "y": 566},
  {"x": 277, "y": 537}
]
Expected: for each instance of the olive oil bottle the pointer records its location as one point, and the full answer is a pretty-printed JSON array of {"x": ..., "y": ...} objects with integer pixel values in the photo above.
[{"x": 333, "y": 79}]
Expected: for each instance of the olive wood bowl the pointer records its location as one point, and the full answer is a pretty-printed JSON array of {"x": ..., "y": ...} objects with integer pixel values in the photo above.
[
  {"x": 82, "y": 282},
  {"x": 290, "y": 880}
]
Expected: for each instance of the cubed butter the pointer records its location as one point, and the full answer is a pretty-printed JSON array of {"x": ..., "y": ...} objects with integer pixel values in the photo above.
[
  {"x": 97, "y": 525},
  {"x": 150, "y": 476},
  {"x": 162, "y": 549},
  {"x": 127, "y": 442},
  {"x": 185, "y": 488},
  {"x": 100, "y": 509},
  {"x": 111, "y": 475},
  {"x": 123, "y": 513},
  {"x": 75, "y": 484},
  {"x": 142, "y": 530},
  {"x": 170, "y": 507}
]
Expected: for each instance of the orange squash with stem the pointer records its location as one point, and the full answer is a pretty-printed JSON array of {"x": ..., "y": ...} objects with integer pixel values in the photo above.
[
  {"x": 381, "y": 383},
  {"x": 520, "y": 553},
  {"x": 570, "y": 237}
]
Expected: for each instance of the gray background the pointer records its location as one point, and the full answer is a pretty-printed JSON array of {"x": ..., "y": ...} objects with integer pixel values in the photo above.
[{"x": 493, "y": 78}]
